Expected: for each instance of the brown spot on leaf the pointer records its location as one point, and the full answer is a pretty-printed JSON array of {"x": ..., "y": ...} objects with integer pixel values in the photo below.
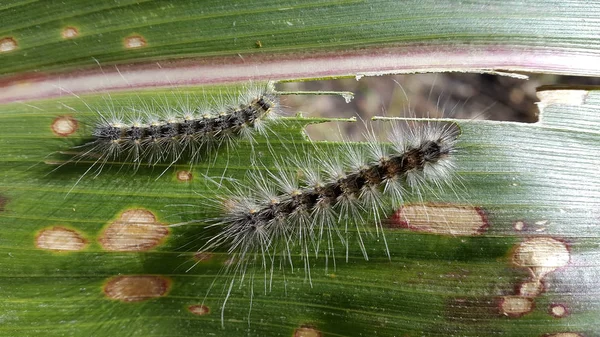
[
  {"x": 134, "y": 41},
  {"x": 558, "y": 310},
  {"x": 134, "y": 230},
  {"x": 448, "y": 219},
  {"x": 307, "y": 331},
  {"x": 229, "y": 205},
  {"x": 519, "y": 225},
  {"x": 515, "y": 306},
  {"x": 136, "y": 288},
  {"x": 542, "y": 255},
  {"x": 69, "y": 32},
  {"x": 60, "y": 239},
  {"x": 7, "y": 44},
  {"x": 564, "y": 334},
  {"x": 184, "y": 175},
  {"x": 199, "y": 309},
  {"x": 203, "y": 256},
  {"x": 64, "y": 126},
  {"x": 230, "y": 261},
  {"x": 531, "y": 288}
]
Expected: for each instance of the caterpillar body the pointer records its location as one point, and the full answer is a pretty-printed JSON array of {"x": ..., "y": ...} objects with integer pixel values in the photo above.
[
  {"x": 186, "y": 131},
  {"x": 282, "y": 214}
]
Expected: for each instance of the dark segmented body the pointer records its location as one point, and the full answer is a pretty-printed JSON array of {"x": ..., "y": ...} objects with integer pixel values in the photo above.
[
  {"x": 350, "y": 186},
  {"x": 203, "y": 127}
]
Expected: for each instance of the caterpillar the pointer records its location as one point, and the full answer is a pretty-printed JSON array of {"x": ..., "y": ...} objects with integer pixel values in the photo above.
[
  {"x": 282, "y": 213},
  {"x": 187, "y": 131}
]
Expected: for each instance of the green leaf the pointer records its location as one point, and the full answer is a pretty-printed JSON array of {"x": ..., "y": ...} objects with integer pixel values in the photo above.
[
  {"x": 537, "y": 185},
  {"x": 216, "y": 42},
  {"x": 511, "y": 252}
]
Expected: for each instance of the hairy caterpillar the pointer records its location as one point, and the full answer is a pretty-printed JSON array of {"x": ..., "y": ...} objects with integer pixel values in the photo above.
[
  {"x": 282, "y": 214},
  {"x": 187, "y": 131}
]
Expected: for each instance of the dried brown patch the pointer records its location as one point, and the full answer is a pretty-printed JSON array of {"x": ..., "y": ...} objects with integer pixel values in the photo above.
[
  {"x": 199, "y": 309},
  {"x": 64, "y": 126},
  {"x": 8, "y": 44},
  {"x": 307, "y": 331},
  {"x": 542, "y": 255},
  {"x": 184, "y": 175},
  {"x": 203, "y": 256},
  {"x": 60, "y": 239},
  {"x": 134, "y": 230},
  {"x": 564, "y": 334},
  {"x": 515, "y": 306},
  {"x": 230, "y": 261},
  {"x": 136, "y": 288},
  {"x": 69, "y": 32},
  {"x": 519, "y": 225},
  {"x": 446, "y": 219},
  {"x": 229, "y": 205},
  {"x": 558, "y": 310},
  {"x": 134, "y": 41},
  {"x": 531, "y": 288}
]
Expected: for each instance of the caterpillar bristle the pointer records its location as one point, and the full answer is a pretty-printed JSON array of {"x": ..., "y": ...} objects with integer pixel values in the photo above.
[
  {"x": 282, "y": 214},
  {"x": 162, "y": 132}
]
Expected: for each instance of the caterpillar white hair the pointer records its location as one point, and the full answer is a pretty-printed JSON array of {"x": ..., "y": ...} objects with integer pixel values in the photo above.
[
  {"x": 283, "y": 214},
  {"x": 186, "y": 131}
]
